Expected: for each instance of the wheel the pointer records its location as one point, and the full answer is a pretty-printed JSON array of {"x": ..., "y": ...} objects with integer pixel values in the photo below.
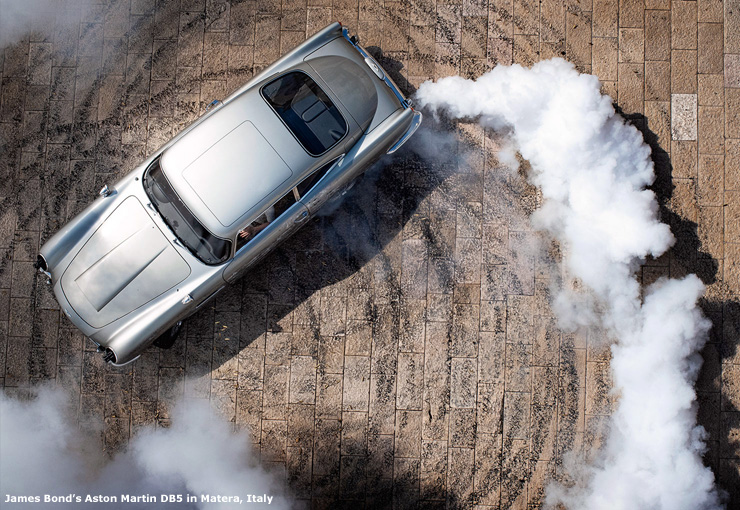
[{"x": 167, "y": 339}]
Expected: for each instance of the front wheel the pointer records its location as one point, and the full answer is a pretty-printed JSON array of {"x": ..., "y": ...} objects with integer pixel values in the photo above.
[{"x": 167, "y": 339}]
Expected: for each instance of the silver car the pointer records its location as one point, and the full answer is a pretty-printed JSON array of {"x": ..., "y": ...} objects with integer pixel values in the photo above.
[{"x": 218, "y": 197}]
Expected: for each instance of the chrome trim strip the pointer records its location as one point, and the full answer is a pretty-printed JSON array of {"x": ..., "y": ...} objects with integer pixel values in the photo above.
[{"x": 415, "y": 123}]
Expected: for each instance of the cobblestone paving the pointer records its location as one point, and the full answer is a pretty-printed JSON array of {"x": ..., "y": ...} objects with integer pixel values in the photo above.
[{"x": 400, "y": 351}]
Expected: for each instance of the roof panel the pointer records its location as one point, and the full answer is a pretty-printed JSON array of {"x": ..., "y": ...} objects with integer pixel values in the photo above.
[{"x": 231, "y": 177}]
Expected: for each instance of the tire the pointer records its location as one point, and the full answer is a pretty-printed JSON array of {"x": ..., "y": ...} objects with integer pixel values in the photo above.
[{"x": 167, "y": 339}]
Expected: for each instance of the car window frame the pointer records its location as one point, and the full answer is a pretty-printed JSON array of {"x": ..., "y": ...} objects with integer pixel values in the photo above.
[
  {"x": 297, "y": 200},
  {"x": 147, "y": 174},
  {"x": 296, "y": 196},
  {"x": 333, "y": 101},
  {"x": 328, "y": 165}
]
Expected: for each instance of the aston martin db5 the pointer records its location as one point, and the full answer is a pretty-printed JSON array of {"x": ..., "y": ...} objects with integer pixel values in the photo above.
[{"x": 210, "y": 203}]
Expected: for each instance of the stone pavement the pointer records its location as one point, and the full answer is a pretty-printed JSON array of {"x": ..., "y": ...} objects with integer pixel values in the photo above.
[{"x": 400, "y": 351}]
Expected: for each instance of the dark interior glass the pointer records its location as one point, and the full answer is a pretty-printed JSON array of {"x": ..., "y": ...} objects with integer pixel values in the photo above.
[
  {"x": 310, "y": 181},
  {"x": 306, "y": 110},
  {"x": 264, "y": 219},
  {"x": 191, "y": 233}
]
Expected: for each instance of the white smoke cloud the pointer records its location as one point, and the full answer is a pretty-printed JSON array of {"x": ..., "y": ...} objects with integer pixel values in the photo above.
[
  {"x": 19, "y": 17},
  {"x": 42, "y": 452},
  {"x": 592, "y": 169}
]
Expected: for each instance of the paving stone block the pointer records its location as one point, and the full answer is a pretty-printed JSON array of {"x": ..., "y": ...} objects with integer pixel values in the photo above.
[
  {"x": 408, "y": 434},
  {"x": 711, "y": 230},
  {"x": 732, "y": 22},
  {"x": 436, "y": 380},
  {"x": 356, "y": 383},
  {"x": 352, "y": 477},
  {"x": 410, "y": 379},
  {"x": 684, "y": 158},
  {"x": 683, "y": 25},
  {"x": 275, "y": 392},
  {"x": 683, "y": 71},
  {"x": 326, "y": 447},
  {"x": 578, "y": 26},
  {"x": 731, "y": 251},
  {"x": 300, "y": 420},
  {"x": 249, "y": 412},
  {"x": 299, "y": 468},
  {"x": 732, "y": 111},
  {"x": 711, "y": 135},
  {"x": 631, "y": 45},
  {"x": 273, "y": 441},
  {"x": 683, "y": 116},
  {"x": 631, "y": 13},
  {"x": 354, "y": 433},
  {"x": 658, "y": 114},
  {"x": 526, "y": 49},
  {"x": 460, "y": 479},
  {"x": 605, "y": 18},
  {"x": 604, "y": 54},
  {"x": 463, "y": 382},
  {"x": 710, "y": 90},
  {"x": 710, "y": 48},
  {"x": 732, "y": 70},
  {"x": 552, "y": 16},
  {"x": 516, "y": 416},
  {"x": 462, "y": 427},
  {"x": 732, "y": 160},
  {"x": 302, "y": 380},
  {"x": 487, "y": 476},
  {"x": 433, "y": 470},
  {"x": 631, "y": 87},
  {"x": 709, "y": 11},
  {"x": 382, "y": 403}
]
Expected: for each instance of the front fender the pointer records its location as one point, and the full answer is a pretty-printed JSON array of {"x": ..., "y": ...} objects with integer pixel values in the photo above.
[{"x": 64, "y": 241}]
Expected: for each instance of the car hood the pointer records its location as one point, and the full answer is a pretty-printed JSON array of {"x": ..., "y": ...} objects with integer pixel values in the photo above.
[{"x": 126, "y": 263}]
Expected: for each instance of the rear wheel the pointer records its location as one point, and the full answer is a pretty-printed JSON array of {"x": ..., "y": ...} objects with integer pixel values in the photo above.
[{"x": 167, "y": 339}]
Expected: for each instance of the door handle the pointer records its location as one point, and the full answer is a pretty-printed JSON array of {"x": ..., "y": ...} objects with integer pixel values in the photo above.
[{"x": 303, "y": 216}]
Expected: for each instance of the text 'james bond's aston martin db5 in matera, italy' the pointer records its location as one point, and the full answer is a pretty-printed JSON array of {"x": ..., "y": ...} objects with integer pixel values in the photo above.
[{"x": 219, "y": 196}]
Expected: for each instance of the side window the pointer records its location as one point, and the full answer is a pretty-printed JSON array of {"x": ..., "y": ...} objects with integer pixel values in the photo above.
[
  {"x": 269, "y": 215},
  {"x": 310, "y": 181}
]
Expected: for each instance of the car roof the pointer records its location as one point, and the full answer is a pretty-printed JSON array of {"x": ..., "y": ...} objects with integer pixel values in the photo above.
[{"x": 236, "y": 162}]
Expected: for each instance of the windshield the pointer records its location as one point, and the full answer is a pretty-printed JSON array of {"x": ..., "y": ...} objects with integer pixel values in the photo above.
[{"x": 201, "y": 243}]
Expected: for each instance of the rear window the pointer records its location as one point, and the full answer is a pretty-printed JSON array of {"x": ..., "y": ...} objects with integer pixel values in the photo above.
[{"x": 306, "y": 110}]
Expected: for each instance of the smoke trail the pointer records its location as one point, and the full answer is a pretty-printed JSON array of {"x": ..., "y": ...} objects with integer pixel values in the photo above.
[
  {"x": 592, "y": 169},
  {"x": 44, "y": 453},
  {"x": 19, "y": 17}
]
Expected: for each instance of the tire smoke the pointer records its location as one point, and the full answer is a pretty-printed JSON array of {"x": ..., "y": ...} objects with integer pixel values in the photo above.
[
  {"x": 592, "y": 169},
  {"x": 45, "y": 453}
]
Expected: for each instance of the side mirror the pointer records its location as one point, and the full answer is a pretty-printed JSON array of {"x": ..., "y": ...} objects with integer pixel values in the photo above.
[{"x": 106, "y": 191}]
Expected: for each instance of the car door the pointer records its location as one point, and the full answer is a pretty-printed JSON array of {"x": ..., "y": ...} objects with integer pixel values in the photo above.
[{"x": 260, "y": 244}]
